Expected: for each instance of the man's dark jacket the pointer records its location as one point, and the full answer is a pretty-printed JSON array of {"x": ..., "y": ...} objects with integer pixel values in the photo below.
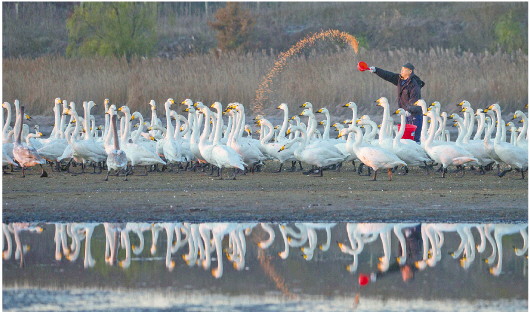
[{"x": 409, "y": 91}]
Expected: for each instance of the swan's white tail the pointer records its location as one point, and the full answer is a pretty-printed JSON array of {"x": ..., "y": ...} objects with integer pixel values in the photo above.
[{"x": 462, "y": 160}]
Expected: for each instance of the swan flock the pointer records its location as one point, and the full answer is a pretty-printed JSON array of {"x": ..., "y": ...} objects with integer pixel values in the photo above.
[{"x": 217, "y": 138}]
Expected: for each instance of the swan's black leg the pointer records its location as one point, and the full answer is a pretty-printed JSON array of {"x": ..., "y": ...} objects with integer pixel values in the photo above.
[
  {"x": 23, "y": 172},
  {"x": 300, "y": 164},
  {"x": 360, "y": 169},
  {"x": 463, "y": 171},
  {"x": 375, "y": 176},
  {"x": 107, "y": 177},
  {"x": 126, "y": 173},
  {"x": 235, "y": 172},
  {"x": 321, "y": 170},
  {"x": 43, "y": 173},
  {"x": 522, "y": 174},
  {"x": 280, "y": 170},
  {"x": 444, "y": 171},
  {"x": 389, "y": 171},
  {"x": 339, "y": 165},
  {"x": 504, "y": 172}
]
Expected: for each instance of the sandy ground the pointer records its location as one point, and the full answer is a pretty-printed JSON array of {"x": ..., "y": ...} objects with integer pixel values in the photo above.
[{"x": 265, "y": 196}]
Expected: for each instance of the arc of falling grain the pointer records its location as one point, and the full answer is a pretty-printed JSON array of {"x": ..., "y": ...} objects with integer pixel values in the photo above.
[{"x": 309, "y": 40}]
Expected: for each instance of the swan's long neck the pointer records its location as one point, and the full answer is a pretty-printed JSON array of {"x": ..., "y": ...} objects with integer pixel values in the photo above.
[
  {"x": 480, "y": 127},
  {"x": 358, "y": 137},
  {"x": 169, "y": 125},
  {"x": 241, "y": 123},
  {"x": 503, "y": 130},
  {"x": 461, "y": 132},
  {"x": 140, "y": 128},
  {"x": 199, "y": 118},
  {"x": 126, "y": 131},
  {"x": 18, "y": 125},
  {"x": 470, "y": 126},
  {"x": 385, "y": 131},
  {"x": 206, "y": 130},
  {"x": 285, "y": 124},
  {"x": 218, "y": 126},
  {"x": 270, "y": 133},
  {"x": 432, "y": 129},
  {"x": 325, "y": 136},
  {"x": 425, "y": 119},
  {"x": 86, "y": 110},
  {"x": 499, "y": 128},
  {"x": 115, "y": 132},
  {"x": 57, "y": 113},
  {"x": 311, "y": 127},
  {"x": 522, "y": 136},
  {"x": 189, "y": 123},
  {"x": 228, "y": 128},
  {"x": 8, "y": 118},
  {"x": 353, "y": 113},
  {"x": 401, "y": 131},
  {"x": 186, "y": 125}
]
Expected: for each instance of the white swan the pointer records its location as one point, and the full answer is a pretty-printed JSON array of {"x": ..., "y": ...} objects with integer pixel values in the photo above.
[
  {"x": 445, "y": 154},
  {"x": 408, "y": 150},
  {"x": 512, "y": 155},
  {"x": 25, "y": 155},
  {"x": 320, "y": 154},
  {"x": 219, "y": 155},
  {"x": 372, "y": 156},
  {"x": 116, "y": 158}
]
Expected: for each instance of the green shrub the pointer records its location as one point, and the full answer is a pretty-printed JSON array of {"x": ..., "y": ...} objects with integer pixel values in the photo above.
[{"x": 112, "y": 28}]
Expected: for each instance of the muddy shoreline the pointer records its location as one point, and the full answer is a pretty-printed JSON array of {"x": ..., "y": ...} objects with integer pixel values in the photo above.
[{"x": 264, "y": 197}]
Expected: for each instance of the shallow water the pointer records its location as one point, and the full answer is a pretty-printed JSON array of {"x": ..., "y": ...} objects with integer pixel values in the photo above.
[{"x": 263, "y": 267}]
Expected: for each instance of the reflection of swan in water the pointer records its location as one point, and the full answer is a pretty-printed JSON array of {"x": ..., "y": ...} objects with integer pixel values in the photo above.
[
  {"x": 6, "y": 254},
  {"x": 272, "y": 236},
  {"x": 237, "y": 244},
  {"x": 399, "y": 234},
  {"x": 496, "y": 243},
  {"x": 308, "y": 234},
  {"x": 78, "y": 232},
  {"x": 20, "y": 249},
  {"x": 112, "y": 231},
  {"x": 195, "y": 244},
  {"x": 433, "y": 234},
  {"x": 362, "y": 233},
  {"x": 61, "y": 241}
]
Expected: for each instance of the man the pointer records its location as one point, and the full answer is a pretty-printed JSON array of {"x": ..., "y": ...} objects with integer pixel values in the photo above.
[{"x": 409, "y": 91}]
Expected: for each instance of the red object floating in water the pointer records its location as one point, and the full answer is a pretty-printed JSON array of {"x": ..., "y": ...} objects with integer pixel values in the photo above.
[
  {"x": 363, "y": 279},
  {"x": 362, "y": 66},
  {"x": 410, "y": 130}
]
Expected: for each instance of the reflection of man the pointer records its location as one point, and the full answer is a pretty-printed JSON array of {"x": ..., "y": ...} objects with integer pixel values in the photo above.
[{"x": 413, "y": 243}]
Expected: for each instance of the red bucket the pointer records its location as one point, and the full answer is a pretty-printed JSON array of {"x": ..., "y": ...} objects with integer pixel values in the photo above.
[
  {"x": 362, "y": 66},
  {"x": 410, "y": 129}
]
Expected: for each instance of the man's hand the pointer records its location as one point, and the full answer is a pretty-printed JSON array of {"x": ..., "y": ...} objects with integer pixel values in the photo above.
[{"x": 371, "y": 69}]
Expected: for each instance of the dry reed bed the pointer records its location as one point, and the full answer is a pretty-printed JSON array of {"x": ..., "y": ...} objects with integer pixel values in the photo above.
[{"x": 325, "y": 80}]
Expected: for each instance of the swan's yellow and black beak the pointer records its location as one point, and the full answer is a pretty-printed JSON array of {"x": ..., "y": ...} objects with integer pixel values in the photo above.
[
  {"x": 396, "y": 112},
  {"x": 460, "y": 104},
  {"x": 463, "y": 109},
  {"x": 346, "y": 105},
  {"x": 281, "y": 148},
  {"x": 358, "y": 121},
  {"x": 288, "y": 132},
  {"x": 132, "y": 118},
  {"x": 514, "y": 117},
  {"x": 320, "y": 110},
  {"x": 485, "y": 110},
  {"x": 27, "y": 116},
  {"x": 172, "y": 101},
  {"x": 279, "y": 107},
  {"x": 334, "y": 125},
  {"x": 321, "y": 122},
  {"x": 152, "y": 138},
  {"x": 212, "y": 105},
  {"x": 490, "y": 107},
  {"x": 303, "y": 105}
]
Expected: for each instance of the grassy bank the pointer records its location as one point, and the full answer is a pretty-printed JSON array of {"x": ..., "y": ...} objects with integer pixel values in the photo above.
[{"x": 325, "y": 80}]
